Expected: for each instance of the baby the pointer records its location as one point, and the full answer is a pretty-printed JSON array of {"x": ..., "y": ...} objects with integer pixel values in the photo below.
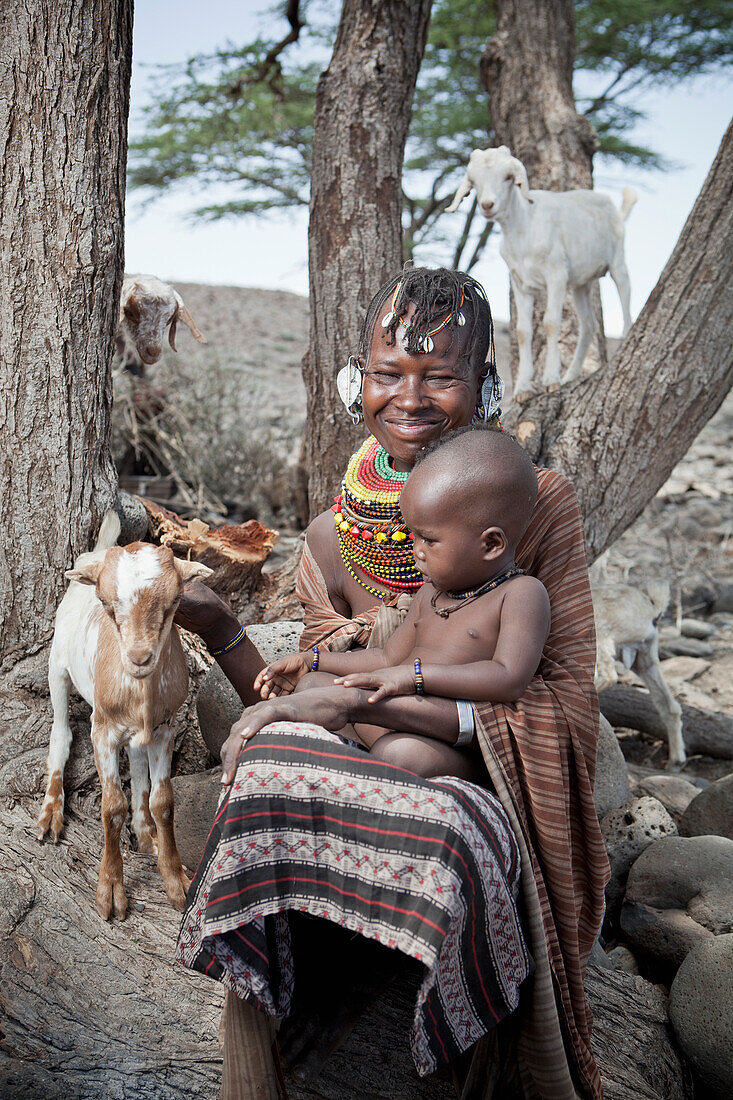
[{"x": 476, "y": 629}]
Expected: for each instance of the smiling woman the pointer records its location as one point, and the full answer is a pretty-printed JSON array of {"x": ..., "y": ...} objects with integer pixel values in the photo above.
[{"x": 425, "y": 366}]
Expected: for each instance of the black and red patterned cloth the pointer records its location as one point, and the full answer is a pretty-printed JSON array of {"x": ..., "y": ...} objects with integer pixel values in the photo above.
[{"x": 428, "y": 867}]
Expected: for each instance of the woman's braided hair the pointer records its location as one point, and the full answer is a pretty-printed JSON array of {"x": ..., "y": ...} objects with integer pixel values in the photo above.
[{"x": 435, "y": 293}]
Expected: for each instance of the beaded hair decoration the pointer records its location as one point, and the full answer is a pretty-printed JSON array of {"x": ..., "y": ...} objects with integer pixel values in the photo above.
[
  {"x": 371, "y": 531},
  {"x": 423, "y": 340}
]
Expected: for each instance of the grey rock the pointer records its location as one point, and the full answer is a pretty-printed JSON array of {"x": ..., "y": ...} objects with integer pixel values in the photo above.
[
  {"x": 627, "y": 832},
  {"x": 622, "y": 959},
  {"x": 701, "y": 1012},
  {"x": 711, "y": 812},
  {"x": 699, "y": 597},
  {"x": 679, "y": 892},
  {"x": 612, "y": 777},
  {"x": 217, "y": 705},
  {"x": 598, "y": 956},
  {"x": 196, "y": 798},
  {"x": 133, "y": 517},
  {"x": 724, "y": 600},
  {"x": 674, "y": 792},
  {"x": 696, "y": 628},
  {"x": 686, "y": 647}
]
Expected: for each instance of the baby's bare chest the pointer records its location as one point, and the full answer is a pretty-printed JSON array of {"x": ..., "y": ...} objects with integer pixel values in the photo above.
[{"x": 468, "y": 633}]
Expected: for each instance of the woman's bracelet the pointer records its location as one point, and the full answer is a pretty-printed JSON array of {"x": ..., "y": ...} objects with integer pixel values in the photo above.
[
  {"x": 419, "y": 682},
  {"x": 238, "y": 637},
  {"x": 316, "y": 655}
]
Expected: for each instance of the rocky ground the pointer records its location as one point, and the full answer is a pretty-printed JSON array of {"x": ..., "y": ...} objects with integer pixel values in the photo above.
[{"x": 669, "y": 837}]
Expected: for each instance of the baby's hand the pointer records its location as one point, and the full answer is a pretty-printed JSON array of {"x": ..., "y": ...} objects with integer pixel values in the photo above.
[
  {"x": 281, "y": 677},
  {"x": 398, "y": 680}
]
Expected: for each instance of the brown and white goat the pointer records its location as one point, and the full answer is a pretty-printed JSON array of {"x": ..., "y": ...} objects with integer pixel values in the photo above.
[
  {"x": 115, "y": 641},
  {"x": 148, "y": 307}
]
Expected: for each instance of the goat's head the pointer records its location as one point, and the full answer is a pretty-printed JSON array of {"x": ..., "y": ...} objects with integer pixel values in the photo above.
[
  {"x": 139, "y": 587},
  {"x": 147, "y": 307},
  {"x": 493, "y": 173}
]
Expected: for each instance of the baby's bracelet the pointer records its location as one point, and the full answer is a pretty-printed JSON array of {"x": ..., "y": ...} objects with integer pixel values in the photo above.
[
  {"x": 316, "y": 655},
  {"x": 238, "y": 637},
  {"x": 419, "y": 682}
]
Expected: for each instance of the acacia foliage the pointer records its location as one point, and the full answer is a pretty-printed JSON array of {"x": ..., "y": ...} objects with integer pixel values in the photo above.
[{"x": 241, "y": 118}]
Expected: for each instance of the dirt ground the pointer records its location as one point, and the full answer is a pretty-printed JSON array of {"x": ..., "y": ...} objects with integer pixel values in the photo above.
[{"x": 252, "y": 364}]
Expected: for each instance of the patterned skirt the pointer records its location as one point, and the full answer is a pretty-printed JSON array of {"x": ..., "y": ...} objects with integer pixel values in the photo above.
[{"x": 427, "y": 867}]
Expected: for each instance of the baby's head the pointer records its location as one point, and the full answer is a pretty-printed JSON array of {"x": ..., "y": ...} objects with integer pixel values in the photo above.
[{"x": 468, "y": 502}]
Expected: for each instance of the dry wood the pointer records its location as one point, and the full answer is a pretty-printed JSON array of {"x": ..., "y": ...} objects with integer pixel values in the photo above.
[
  {"x": 703, "y": 731},
  {"x": 64, "y": 89},
  {"x": 363, "y": 105},
  {"x": 527, "y": 69},
  {"x": 619, "y": 433},
  {"x": 235, "y": 552}
]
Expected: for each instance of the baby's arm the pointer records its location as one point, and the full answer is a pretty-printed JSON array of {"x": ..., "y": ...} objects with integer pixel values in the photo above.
[{"x": 524, "y": 624}]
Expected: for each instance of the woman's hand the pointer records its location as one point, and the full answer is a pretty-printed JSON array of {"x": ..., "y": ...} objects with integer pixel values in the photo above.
[
  {"x": 203, "y": 612},
  {"x": 388, "y": 682},
  {"x": 319, "y": 706},
  {"x": 281, "y": 677}
]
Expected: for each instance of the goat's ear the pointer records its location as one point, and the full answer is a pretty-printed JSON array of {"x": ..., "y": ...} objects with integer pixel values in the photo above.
[
  {"x": 464, "y": 188},
  {"x": 182, "y": 314},
  {"x": 129, "y": 304},
  {"x": 520, "y": 178},
  {"x": 85, "y": 574},
  {"x": 191, "y": 570}
]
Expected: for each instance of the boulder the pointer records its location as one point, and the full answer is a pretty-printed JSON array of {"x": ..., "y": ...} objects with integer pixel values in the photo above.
[
  {"x": 696, "y": 628},
  {"x": 679, "y": 893},
  {"x": 677, "y": 670},
  {"x": 217, "y": 705},
  {"x": 701, "y": 1012},
  {"x": 627, "y": 832},
  {"x": 685, "y": 647},
  {"x": 711, "y": 812},
  {"x": 622, "y": 959},
  {"x": 133, "y": 517},
  {"x": 196, "y": 798},
  {"x": 724, "y": 600},
  {"x": 612, "y": 777},
  {"x": 674, "y": 792}
]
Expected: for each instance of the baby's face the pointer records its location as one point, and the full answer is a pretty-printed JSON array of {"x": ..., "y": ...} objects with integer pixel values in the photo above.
[{"x": 448, "y": 548}]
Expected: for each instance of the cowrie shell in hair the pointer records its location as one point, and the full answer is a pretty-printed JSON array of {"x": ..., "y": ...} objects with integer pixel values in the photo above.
[
  {"x": 426, "y": 344},
  {"x": 461, "y": 320},
  {"x": 387, "y": 319}
]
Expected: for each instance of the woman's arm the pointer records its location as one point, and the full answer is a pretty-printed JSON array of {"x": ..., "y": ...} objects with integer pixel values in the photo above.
[
  {"x": 204, "y": 613},
  {"x": 335, "y": 708}
]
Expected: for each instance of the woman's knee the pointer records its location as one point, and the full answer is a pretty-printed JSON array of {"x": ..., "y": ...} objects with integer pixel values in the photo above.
[
  {"x": 399, "y": 749},
  {"x": 313, "y": 679}
]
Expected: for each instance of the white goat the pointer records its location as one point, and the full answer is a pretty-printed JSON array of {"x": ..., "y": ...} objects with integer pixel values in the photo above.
[
  {"x": 550, "y": 241},
  {"x": 115, "y": 641},
  {"x": 626, "y": 628},
  {"x": 147, "y": 307}
]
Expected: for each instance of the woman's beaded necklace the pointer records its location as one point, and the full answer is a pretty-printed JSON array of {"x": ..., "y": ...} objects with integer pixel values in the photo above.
[{"x": 371, "y": 531}]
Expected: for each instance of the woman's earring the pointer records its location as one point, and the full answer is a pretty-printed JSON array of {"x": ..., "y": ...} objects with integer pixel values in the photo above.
[
  {"x": 492, "y": 392},
  {"x": 349, "y": 382}
]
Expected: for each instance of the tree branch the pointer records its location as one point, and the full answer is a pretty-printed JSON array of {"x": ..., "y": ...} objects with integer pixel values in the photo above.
[{"x": 269, "y": 70}]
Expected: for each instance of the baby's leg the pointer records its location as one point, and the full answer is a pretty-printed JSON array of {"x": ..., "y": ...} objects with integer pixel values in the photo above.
[{"x": 428, "y": 757}]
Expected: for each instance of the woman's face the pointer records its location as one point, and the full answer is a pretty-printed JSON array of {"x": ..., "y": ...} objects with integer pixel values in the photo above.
[{"x": 410, "y": 400}]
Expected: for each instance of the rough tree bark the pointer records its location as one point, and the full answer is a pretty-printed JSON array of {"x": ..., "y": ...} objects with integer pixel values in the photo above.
[
  {"x": 363, "y": 107},
  {"x": 527, "y": 69},
  {"x": 618, "y": 434},
  {"x": 64, "y": 90}
]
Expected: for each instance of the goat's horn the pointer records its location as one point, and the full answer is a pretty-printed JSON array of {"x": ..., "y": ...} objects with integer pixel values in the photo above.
[{"x": 185, "y": 316}]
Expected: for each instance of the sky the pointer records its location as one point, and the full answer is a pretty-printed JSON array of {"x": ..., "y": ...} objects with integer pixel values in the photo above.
[{"x": 685, "y": 124}]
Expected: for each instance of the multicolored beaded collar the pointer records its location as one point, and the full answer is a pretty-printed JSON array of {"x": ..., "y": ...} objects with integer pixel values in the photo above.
[{"x": 371, "y": 531}]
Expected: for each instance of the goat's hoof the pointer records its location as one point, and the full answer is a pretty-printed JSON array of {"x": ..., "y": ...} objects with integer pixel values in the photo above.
[
  {"x": 176, "y": 887},
  {"x": 553, "y": 387},
  {"x": 111, "y": 901},
  {"x": 51, "y": 821},
  {"x": 675, "y": 765},
  {"x": 146, "y": 843},
  {"x": 523, "y": 397}
]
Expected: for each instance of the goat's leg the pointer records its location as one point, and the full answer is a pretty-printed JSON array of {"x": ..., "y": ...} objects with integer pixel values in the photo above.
[
  {"x": 111, "y": 897},
  {"x": 525, "y": 305},
  {"x": 142, "y": 819},
  {"x": 556, "y": 288},
  {"x": 584, "y": 310},
  {"x": 620, "y": 275},
  {"x": 51, "y": 818},
  {"x": 161, "y": 806},
  {"x": 646, "y": 666}
]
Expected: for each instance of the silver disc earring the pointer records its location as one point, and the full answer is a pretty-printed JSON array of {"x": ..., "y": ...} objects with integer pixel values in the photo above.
[
  {"x": 349, "y": 382},
  {"x": 492, "y": 392}
]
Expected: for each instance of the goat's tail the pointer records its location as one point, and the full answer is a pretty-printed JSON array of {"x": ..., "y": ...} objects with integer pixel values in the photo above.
[
  {"x": 658, "y": 593},
  {"x": 109, "y": 532},
  {"x": 628, "y": 201}
]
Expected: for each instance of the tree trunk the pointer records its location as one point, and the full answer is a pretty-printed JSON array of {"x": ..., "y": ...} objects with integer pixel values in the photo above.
[
  {"x": 619, "y": 433},
  {"x": 527, "y": 69},
  {"x": 363, "y": 107},
  {"x": 64, "y": 90}
]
